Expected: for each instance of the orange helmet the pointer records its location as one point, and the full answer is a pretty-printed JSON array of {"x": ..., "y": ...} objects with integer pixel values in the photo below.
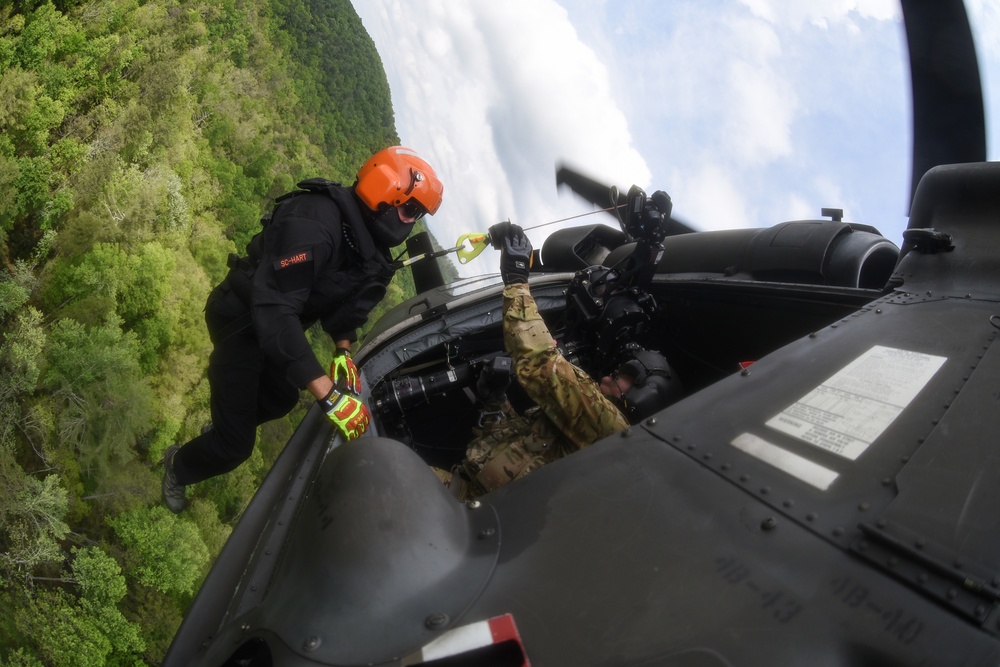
[{"x": 394, "y": 176}]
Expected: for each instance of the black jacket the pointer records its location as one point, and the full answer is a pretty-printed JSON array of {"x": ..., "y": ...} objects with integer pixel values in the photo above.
[{"x": 318, "y": 263}]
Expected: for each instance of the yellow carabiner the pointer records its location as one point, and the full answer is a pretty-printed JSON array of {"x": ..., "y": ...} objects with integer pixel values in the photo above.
[{"x": 468, "y": 246}]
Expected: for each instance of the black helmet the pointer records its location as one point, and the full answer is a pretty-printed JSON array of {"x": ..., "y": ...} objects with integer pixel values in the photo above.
[{"x": 654, "y": 386}]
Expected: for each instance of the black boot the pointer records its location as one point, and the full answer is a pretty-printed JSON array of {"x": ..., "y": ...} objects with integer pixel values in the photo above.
[{"x": 173, "y": 492}]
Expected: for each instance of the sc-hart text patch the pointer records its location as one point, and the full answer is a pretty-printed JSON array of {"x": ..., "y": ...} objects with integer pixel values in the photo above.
[{"x": 294, "y": 270}]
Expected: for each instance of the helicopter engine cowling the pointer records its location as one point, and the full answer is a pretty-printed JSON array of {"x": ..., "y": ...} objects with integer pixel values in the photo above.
[{"x": 814, "y": 252}]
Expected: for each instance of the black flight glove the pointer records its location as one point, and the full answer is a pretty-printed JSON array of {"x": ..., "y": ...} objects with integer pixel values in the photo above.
[
  {"x": 498, "y": 232},
  {"x": 515, "y": 252}
]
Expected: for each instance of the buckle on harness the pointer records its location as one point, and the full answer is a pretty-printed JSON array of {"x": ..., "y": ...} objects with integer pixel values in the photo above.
[{"x": 490, "y": 417}]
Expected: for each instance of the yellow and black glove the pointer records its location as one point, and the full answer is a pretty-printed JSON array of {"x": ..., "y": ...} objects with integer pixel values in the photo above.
[
  {"x": 344, "y": 373},
  {"x": 347, "y": 413}
]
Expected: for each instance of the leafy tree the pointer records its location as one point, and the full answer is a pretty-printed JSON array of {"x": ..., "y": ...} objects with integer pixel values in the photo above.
[
  {"x": 205, "y": 514},
  {"x": 134, "y": 284},
  {"x": 84, "y": 630},
  {"x": 159, "y": 616},
  {"x": 59, "y": 634},
  {"x": 140, "y": 140},
  {"x": 339, "y": 81},
  {"x": 166, "y": 552},
  {"x": 102, "y": 589},
  {"x": 20, "y": 355},
  {"x": 32, "y": 519},
  {"x": 101, "y": 404},
  {"x": 22, "y": 657}
]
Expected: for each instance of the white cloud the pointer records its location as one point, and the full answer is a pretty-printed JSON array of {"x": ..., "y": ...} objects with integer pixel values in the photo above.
[
  {"x": 713, "y": 198},
  {"x": 760, "y": 103},
  {"x": 985, "y": 18},
  {"x": 748, "y": 112},
  {"x": 761, "y": 129},
  {"x": 494, "y": 95},
  {"x": 799, "y": 208},
  {"x": 823, "y": 13}
]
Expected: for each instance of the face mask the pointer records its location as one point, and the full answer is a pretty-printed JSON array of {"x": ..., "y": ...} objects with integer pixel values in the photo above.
[{"x": 388, "y": 230}]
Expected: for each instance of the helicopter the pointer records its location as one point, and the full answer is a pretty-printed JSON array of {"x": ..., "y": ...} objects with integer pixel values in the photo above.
[{"x": 823, "y": 493}]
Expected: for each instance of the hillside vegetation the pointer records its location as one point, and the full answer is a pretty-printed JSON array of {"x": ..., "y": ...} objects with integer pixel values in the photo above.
[{"x": 140, "y": 141}]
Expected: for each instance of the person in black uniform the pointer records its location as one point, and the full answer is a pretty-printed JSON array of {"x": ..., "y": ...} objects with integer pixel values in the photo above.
[{"x": 323, "y": 257}]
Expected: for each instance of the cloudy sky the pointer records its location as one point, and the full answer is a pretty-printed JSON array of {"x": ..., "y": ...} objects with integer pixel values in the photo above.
[{"x": 747, "y": 112}]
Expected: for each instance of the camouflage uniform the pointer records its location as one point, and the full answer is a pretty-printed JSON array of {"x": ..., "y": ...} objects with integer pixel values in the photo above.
[{"x": 571, "y": 412}]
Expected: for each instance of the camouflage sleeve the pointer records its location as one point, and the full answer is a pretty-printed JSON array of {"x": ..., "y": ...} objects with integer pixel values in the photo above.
[{"x": 569, "y": 397}]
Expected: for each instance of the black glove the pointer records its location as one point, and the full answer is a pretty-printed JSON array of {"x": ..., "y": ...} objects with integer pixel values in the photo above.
[
  {"x": 515, "y": 254},
  {"x": 494, "y": 378},
  {"x": 499, "y": 232}
]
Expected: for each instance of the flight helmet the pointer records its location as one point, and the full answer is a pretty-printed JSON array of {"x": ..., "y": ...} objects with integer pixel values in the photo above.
[
  {"x": 654, "y": 386},
  {"x": 397, "y": 176}
]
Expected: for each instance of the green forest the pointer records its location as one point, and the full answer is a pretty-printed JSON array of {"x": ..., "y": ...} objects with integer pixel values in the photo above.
[{"x": 140, "y": 142}]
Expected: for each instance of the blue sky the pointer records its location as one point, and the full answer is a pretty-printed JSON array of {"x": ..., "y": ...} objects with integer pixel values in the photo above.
[{"x": 747, "y": 112}]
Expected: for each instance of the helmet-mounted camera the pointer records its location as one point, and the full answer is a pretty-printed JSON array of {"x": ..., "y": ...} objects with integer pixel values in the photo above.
[{"x": 601, "y": 312}]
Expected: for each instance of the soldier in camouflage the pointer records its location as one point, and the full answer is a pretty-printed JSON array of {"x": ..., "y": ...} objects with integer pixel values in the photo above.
[{"x": 572, "y": 409}]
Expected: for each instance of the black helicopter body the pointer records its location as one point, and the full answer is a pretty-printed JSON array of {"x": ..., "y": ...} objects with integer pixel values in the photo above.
[{"x": 825, "y": 492}]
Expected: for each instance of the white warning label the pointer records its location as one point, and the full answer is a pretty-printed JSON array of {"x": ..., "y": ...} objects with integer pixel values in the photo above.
[
  {"x": 846, "y": 413},
  {"x": 784, "y": 460}
]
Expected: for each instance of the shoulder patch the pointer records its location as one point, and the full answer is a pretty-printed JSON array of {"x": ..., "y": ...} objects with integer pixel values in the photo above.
[
  {"x": 294, "y": 271},
  {"x": 293, "y": 260}
]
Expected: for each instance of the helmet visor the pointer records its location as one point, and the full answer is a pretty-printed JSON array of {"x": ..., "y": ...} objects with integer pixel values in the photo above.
[{"x": 411, "y": 210}]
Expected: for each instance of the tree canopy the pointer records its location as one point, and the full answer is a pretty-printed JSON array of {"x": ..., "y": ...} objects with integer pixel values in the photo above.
[{"x": 140, "y": 142}]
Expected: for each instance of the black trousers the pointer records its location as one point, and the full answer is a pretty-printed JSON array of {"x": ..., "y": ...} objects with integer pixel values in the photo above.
[{"x": 246, "y": 391}]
